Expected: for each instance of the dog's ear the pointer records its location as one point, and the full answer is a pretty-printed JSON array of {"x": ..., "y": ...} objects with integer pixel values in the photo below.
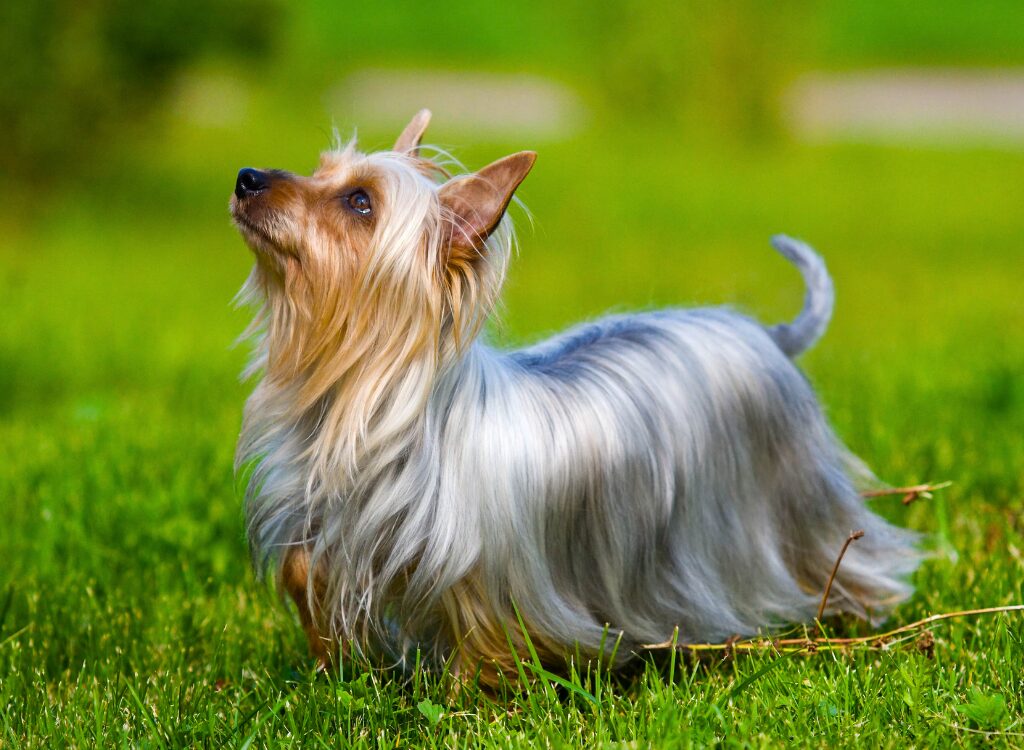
[
  {"x": 409, "y": 141},
  {"x": 475, "y": 203}
]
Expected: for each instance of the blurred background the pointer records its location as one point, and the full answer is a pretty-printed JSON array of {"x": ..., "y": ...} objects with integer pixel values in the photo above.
[{"x": 674, "y": 139}]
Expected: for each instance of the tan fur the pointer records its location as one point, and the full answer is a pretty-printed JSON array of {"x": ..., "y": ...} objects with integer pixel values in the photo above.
[
  {"x": 340, "y": 338},
  {"x": 409, "y": 141},
  {"x": 487, "y": 644},
  {"x": 307, "y": 591},
  {"x": 320, "y": 332}
]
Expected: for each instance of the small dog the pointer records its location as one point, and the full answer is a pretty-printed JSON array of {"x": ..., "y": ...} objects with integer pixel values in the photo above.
[{"x": 413, "y": 488}]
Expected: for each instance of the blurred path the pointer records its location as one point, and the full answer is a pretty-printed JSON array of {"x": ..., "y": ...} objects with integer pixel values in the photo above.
[
  {"x": 950, "y": 106},
  {"x": 496, "y": 105}
]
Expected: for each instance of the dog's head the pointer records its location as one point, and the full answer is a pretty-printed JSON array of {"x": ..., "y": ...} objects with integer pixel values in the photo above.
[{"x": 376, "y": 249}]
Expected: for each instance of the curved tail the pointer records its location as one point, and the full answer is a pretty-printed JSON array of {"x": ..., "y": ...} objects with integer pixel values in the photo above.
[{"x": 800, "y": 335}]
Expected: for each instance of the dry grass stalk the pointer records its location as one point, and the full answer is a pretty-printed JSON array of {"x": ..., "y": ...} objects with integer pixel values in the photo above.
[
  {"x": 910, "y": 494},
  {"x": 854, "y": 536},
  {"x": 824, "y": 643}
]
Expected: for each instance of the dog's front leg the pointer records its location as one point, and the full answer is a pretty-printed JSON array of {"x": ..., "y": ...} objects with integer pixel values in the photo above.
[{"x": 308, "y": 597}]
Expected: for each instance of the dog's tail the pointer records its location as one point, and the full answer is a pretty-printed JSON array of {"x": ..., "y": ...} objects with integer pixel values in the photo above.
[{"x": 800, "y": 335}]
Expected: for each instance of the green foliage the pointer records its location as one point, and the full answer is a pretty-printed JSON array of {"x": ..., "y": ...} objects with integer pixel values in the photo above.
[
  {"x": 721, "y": 65},
  {"x": 431, "y": 711},
  {"x": 920, "y": 32},
  {"x": 984, "y": 710},
  {"x": 704, "y": 65},
  {"x": 74, "y": 74}
]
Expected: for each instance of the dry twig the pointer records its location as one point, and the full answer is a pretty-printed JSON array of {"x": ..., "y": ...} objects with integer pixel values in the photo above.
[
  {"x": 854, "y": 536},
  {"x": 823, "y": 643},
  {"x": 790, "y": 645}
]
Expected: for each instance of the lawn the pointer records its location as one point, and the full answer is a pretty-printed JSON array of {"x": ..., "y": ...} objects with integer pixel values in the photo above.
[
  {"x": 128, "y": 611},
  {"x": 129, "y": 615}
]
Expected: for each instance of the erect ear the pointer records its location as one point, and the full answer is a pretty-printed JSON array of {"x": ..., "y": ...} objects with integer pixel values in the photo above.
[
  {"x": 476, "y": 202},
  {"x": 409, "y": 141}
]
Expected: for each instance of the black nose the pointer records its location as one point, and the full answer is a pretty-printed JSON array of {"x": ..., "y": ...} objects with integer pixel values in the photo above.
[{"x": 250, "y": 182}]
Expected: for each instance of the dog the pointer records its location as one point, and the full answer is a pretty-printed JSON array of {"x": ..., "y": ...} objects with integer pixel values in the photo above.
[{"x": 410, "y": 487}]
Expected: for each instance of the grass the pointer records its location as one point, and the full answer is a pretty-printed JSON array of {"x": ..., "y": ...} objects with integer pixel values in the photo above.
[{"x": 128, "y": 612}]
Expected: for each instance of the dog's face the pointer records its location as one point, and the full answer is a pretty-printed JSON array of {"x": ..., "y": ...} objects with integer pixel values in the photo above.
[
  {"x": 374, "y": 253},
  {"x": 339, "y": 220},
  {"x": 286, "y": 218}
]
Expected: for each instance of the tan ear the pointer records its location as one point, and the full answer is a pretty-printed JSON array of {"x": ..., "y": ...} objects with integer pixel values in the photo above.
[
  {"x": 409, "y": 141},
  {"x": 477, "y": 202}
]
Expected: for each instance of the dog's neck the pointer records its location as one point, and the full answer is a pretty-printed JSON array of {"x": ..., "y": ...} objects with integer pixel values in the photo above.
[{"x": 347, "y": 407}]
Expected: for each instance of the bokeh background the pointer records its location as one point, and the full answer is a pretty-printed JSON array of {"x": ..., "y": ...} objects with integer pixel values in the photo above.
[{"x": 674, "y": 139}]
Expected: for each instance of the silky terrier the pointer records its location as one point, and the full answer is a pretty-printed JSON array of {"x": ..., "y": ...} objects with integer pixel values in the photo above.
[{"x": 637, "y": 477}]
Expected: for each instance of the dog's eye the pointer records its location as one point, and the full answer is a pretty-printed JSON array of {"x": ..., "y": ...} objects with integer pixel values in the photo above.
[{"x": 359, "y": 202}]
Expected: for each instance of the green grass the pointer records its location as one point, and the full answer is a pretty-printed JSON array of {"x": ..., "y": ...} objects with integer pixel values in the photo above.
[
  {"x": 128, "y": 611},
  {"x": 129, "y": 615}
]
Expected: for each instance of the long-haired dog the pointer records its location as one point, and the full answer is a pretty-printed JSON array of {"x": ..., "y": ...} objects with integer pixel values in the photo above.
[{"x": 412, "y": 487}]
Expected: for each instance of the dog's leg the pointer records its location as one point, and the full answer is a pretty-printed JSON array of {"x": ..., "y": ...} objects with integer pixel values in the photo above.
[
  {"x": 294, "y": 579},
  {"x": 487, "y": 644}
]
